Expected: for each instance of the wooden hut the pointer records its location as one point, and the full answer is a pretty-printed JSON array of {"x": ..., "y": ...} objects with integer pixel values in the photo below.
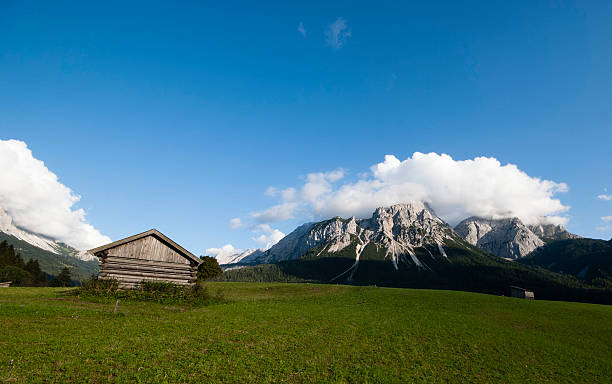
[
  {"x": 148, "y": 256},
  {"x": 521, "y": 293}
]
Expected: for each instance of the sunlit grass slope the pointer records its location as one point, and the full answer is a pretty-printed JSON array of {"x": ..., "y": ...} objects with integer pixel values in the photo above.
[{"x": 304, "y": 333}]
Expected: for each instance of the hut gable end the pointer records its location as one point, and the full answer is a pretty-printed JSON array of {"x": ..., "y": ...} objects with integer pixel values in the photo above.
[
  {"x": 148, "y": 248},
  {"x": 148, "y": 256}
]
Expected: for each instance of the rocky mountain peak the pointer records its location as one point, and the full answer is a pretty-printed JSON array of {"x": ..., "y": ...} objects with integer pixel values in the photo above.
[
  {"x": 414, "y": 223},
  {"x": 509, "y": 238},
  {"x": 552, "y": 232},
  {"x": 398, "y": 229}
]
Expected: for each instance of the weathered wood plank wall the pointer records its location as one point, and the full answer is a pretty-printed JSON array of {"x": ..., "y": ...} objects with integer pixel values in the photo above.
[
  {"x": 146, "y": 259},
  {"x": 148, "y": 248}
]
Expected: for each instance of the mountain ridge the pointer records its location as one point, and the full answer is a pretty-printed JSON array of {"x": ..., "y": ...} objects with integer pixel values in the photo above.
[
  {"x": 509, "y": 238},
  {"x": 52, "y": 255},
  {"x": 7, "y": 226},
  {"x": 399, "y": 229}
]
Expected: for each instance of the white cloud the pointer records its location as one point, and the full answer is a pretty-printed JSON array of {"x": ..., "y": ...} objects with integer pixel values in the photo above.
[
  {"x": 605, "y": 197},
  {"x": 223, "y": 254},
  {"x": 604, "y": 228},
  {"x": 301, "y": 29},
  {"x": 337, "y": 33},
  {"x": 32, "y": 195},
  {"x": 607, "y": 218},
  {"x": 235, "y": 223},
  {"x": 269, "y": 237},
  {"x": 278, "y": 212},
  {"x": 456, "y": 189},
  {"x": 288, "y": 194}
]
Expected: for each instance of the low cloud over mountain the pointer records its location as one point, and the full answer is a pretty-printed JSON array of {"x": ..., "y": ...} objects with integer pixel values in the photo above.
[
  {"x": 456, "y": 189},
  {"x": 35, "y": 199}
]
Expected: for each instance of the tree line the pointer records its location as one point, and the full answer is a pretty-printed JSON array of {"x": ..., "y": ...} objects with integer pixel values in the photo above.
[{"x": 20, "y": 273}]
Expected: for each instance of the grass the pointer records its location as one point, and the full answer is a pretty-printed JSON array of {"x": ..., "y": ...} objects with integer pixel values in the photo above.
[{"x": 296, "y": 333}]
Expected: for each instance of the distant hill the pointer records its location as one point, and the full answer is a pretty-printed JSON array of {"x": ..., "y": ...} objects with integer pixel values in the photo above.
[
  {"x": 405, "y": 245},
  {"x": 51, "y": 263},
  {"x": 587, "y": 259}
]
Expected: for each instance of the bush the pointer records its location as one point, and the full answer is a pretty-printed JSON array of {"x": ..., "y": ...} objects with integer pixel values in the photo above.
[
  {"x": 155, "y": 291},
  {"x": 15, "y": 275},
  {"x": 209, "y": 269},
  {"x": 100, "y": 285}
]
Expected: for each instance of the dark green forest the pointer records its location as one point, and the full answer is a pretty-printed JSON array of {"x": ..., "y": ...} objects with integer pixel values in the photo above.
[
  {"x": 53, "y": 263},
  {"x": 14, "y": 269}
]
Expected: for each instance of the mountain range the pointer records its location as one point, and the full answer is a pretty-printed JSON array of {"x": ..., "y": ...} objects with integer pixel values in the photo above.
[
  {"x": 51, "y": 254},
  {"x": 408, "y": 245},
  {"x": 404, "y": 245},
  {"x": 508, "y": 238}
]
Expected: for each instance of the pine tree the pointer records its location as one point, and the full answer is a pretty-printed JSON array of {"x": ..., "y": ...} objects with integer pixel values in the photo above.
[
  {"x": 62, "y": 279},
  {"x": 33, "y": 268},
  {"x": 209, "y": 269}
]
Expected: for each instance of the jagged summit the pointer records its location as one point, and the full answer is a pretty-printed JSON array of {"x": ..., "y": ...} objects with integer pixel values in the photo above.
[
  {"x": 509, "y": 238},
  {"x": 552, "y": 232},
  {"x": 403, "y": 233},
  {"x": 399, "y": 232}
]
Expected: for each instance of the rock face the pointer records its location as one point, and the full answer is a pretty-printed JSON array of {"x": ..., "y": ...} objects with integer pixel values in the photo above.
[
  {"x": 398, "y": 231},
  {"x": 508, "y": 238},
  {"x": 549, "y": 232}
]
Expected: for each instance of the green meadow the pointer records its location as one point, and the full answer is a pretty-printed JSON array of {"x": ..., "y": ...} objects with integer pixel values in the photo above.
[{"x": 303, "y": 333}]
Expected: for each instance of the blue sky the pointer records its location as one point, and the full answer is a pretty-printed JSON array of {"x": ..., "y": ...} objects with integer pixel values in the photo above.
[{"x": 180, "y": 117}]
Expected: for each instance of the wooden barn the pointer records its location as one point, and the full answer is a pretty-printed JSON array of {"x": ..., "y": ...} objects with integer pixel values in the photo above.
[
  {"x": 148, "y": 256},
  {"x": 521, "y": 293}
]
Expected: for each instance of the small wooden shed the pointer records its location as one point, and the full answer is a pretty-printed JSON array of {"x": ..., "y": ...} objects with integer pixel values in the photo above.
[
  {"x": 521, "y": 293},
  {"x": 148, "y": 256}
]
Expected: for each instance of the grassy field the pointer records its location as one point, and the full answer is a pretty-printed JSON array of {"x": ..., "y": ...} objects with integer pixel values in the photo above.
[{"x": 304, "y": 333}]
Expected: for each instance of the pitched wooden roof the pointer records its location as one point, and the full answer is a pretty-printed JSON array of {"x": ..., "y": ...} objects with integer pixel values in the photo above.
[{"x": 152, "y": 232}]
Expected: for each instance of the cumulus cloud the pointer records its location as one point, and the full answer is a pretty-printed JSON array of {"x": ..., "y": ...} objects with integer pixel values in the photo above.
[
  {"x": 278, "y": 212},
  {"x": 606, "y": 227},
  {"x": 337, "y": 33},
  {"x": 32, "y": 195},
  {"x": 301, "y": 29},
  {"x": 456, "y": 189},
  {"x": 288, "y": 194},
  {"x": 224, "y": 252},
  {"x": 264, "y": 235},
  {"x": 269, "y": 237},
  {"x": 235, "y": 223},
  {"x": 605, "y": 197}
]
